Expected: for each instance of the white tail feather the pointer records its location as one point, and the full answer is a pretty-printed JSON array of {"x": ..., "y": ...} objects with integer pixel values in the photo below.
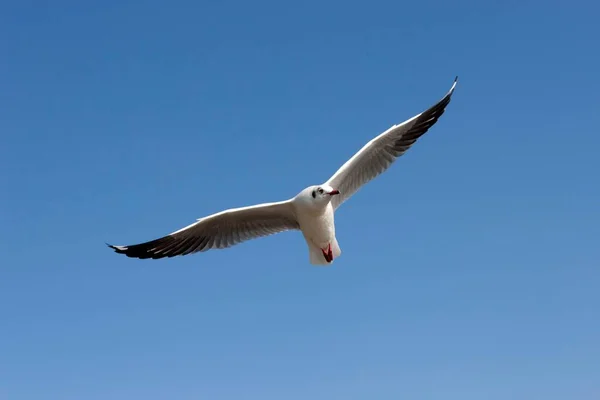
[{"x": 316, "y": 254}]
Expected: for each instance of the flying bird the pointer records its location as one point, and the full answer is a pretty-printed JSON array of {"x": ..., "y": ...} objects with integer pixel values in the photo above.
[{"x": 311, "y": 211}]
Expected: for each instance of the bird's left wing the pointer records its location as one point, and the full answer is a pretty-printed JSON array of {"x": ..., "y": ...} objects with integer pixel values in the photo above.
[
  {"x": 218, "y": 231},
  {"x": 377, "y": 155}
]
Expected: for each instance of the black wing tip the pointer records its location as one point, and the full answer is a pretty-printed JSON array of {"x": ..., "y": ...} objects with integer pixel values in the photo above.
[
  {"x": 426, "y": 119},
  {"x": 446, "y": 99},
  {"x": 451, "y": 91},
  {"x": 117, "y": 249},
  {"x": 123, "y": 250},
  {"x": 140, "y": 251}
]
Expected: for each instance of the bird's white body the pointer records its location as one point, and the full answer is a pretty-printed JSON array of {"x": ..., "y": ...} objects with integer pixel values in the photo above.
[
  {"x": 311, "y": 211},
  {"x": 318, "y": 229}
]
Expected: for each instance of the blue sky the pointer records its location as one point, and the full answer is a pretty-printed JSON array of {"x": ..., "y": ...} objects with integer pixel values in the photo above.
[{"x": 470, "y": 270}]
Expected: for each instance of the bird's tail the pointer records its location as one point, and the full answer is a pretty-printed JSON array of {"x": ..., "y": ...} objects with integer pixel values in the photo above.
[{"x": 316, "y": 254}]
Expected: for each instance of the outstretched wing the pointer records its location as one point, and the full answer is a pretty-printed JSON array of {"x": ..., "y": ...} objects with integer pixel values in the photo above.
[
  {"x": 379, "y": 154},
  {"x": 218, "y": 231}
]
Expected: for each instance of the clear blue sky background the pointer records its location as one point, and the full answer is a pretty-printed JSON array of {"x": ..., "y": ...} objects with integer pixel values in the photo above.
[{"x": 470, "y": 270}]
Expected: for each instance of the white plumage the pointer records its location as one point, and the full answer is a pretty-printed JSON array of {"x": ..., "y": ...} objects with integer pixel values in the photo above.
[{"x": 311, "y": 211}]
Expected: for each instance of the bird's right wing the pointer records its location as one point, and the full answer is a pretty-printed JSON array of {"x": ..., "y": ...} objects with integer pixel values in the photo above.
[
  {"x": 218, "y": 231},
  {"x": 379, "y": 154}
]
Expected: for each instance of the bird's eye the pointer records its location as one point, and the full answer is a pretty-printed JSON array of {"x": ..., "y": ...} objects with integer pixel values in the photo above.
[
  {"x": 314, "y": 194},
  {"x": 320, "y": 190}
]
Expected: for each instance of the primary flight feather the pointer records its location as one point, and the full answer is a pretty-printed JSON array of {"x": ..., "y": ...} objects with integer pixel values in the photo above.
[{"x": 311, "y": 211}]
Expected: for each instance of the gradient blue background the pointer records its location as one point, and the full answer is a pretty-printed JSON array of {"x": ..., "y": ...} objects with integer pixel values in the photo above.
[{"x": 470, "y": 270}]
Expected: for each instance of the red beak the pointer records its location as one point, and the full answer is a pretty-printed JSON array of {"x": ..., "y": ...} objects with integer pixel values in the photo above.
[{"x": 335, "y": 191}]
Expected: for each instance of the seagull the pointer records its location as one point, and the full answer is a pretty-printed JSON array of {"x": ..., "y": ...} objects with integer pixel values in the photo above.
[{"x": 311, "y": 211}]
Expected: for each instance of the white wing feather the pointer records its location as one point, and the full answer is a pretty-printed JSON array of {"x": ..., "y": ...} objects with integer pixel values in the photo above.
[
  {"x": 381, "y": 152},
  {"x": 218, "y": 231}
]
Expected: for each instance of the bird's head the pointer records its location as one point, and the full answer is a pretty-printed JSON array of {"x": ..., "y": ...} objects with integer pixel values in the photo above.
[{"x": 317, "y": 197}]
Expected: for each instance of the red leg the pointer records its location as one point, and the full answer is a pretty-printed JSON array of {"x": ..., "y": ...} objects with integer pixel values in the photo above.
[{"x": 328, "y": 254}]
